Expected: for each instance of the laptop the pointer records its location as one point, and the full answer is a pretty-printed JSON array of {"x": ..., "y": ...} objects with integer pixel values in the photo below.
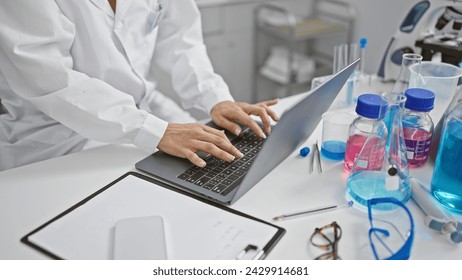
[{"x": 225, "y": 182}]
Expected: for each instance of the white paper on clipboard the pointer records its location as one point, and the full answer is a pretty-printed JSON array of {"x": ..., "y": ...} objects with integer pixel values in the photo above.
[{"x": 193, "y": 229}]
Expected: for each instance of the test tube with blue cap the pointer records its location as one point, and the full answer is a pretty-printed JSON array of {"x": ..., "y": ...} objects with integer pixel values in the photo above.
[
  {"x": 362, "y": 55},
  {"x": 356, "y": 51},
  {"x": 362, "y": 79}
]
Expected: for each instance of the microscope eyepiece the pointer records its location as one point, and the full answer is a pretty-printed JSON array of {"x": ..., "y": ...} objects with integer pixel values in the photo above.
[
  {"x": 457, "y": 25},
  {"x": 443, "y": 20}
]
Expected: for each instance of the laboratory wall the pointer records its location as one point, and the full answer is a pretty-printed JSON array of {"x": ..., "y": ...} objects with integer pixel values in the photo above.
[
  {"x": 229, "y": 35},
  {"x": 378, "y": 20}
]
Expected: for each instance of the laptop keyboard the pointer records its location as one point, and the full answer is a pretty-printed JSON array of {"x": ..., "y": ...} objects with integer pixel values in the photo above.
[{"x": 221, "y": 176}]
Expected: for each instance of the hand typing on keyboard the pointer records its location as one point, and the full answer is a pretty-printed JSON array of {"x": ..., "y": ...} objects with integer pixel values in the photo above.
[
  {"x": 184, "y": 140},
  {"x": 222, "y": 177},
  {"x": 227, "y": 114}
]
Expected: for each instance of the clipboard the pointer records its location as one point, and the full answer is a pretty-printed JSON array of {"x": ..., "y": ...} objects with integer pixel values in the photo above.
[{"x": 195, "y": 228}]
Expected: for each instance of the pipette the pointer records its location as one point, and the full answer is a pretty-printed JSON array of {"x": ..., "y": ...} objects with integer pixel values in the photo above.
[{"x": 435, "y": 217}]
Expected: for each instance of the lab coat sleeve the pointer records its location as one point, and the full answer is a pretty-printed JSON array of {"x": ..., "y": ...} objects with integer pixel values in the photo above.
[
  {"x": 35, "y": 43},
  {"x": 180, "y": 51}
]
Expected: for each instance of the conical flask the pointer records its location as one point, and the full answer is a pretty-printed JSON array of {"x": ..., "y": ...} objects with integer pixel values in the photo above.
[
  {"x": 400, "y": 86},
  {"x": 408, "y": 60},
  {"x": 446, "y": 184},
  {"x": 397, "y": 164},
  {"x": 382, "y": 170}
]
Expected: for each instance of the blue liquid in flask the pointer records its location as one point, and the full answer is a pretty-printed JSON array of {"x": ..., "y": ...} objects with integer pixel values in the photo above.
[
  {"x": 366, "y": 184},
  {"x": 446, "y": 183},
  {"x": 333, "y": 150}
]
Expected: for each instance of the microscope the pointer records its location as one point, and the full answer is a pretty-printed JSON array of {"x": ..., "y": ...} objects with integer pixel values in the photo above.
[{"x": 431, "y": 28}]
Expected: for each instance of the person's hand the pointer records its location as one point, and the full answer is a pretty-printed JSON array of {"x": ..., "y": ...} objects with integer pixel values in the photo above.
[
  {"x": 184, "y": 140},
  {"x": 226, "y": 115}
]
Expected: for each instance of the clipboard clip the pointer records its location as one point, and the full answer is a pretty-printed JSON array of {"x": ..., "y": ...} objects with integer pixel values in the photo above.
[{"x": 247, "y": 249}]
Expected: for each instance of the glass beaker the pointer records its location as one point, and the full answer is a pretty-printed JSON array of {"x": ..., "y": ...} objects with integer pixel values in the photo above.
[
  {"x": 390, "y": 177},
  {"x": 446, "y": 183},
  {"x": 442, "y": 79},
  {"x": 335, "y": 126}
]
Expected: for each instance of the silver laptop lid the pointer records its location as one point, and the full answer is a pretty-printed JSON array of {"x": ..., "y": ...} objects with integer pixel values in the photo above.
[{"x": 294, "y": 127}]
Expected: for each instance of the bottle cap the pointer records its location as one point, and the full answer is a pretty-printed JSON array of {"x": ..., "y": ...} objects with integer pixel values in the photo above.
[
  {"x": 304, "y": 151},
  {"x": 371, "y": 106},
  {"x": 419, "y": 99},
  {"x": 362, "y": 43}
]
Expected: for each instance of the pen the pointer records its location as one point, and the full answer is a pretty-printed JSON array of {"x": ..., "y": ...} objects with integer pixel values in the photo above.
[{"x": 315, "y": 210}]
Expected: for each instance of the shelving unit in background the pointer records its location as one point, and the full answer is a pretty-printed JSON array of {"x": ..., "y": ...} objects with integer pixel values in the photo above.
[{"x": 298, "y": 40}]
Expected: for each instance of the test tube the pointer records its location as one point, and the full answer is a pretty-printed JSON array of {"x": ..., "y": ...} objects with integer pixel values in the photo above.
[
  {"x": 362, "y": 55},
  {"x": 340, "y": 57},
  {"x": 354, "y": 53}
]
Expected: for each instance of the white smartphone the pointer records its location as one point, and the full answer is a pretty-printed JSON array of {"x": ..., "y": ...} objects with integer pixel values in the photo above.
[{"x": 140, "y": 238}]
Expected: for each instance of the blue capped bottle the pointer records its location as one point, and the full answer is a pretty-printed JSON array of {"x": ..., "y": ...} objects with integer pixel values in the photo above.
[
  {"x": 418, "y": 125},
  {"x": 368, "y": 128}
]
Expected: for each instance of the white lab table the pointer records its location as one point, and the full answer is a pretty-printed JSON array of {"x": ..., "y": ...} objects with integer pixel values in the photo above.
[{"x": 31, "y": 195}]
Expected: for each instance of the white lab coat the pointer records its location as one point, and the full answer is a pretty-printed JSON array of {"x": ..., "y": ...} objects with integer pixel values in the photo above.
[{"x": 71, "y": 70}]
